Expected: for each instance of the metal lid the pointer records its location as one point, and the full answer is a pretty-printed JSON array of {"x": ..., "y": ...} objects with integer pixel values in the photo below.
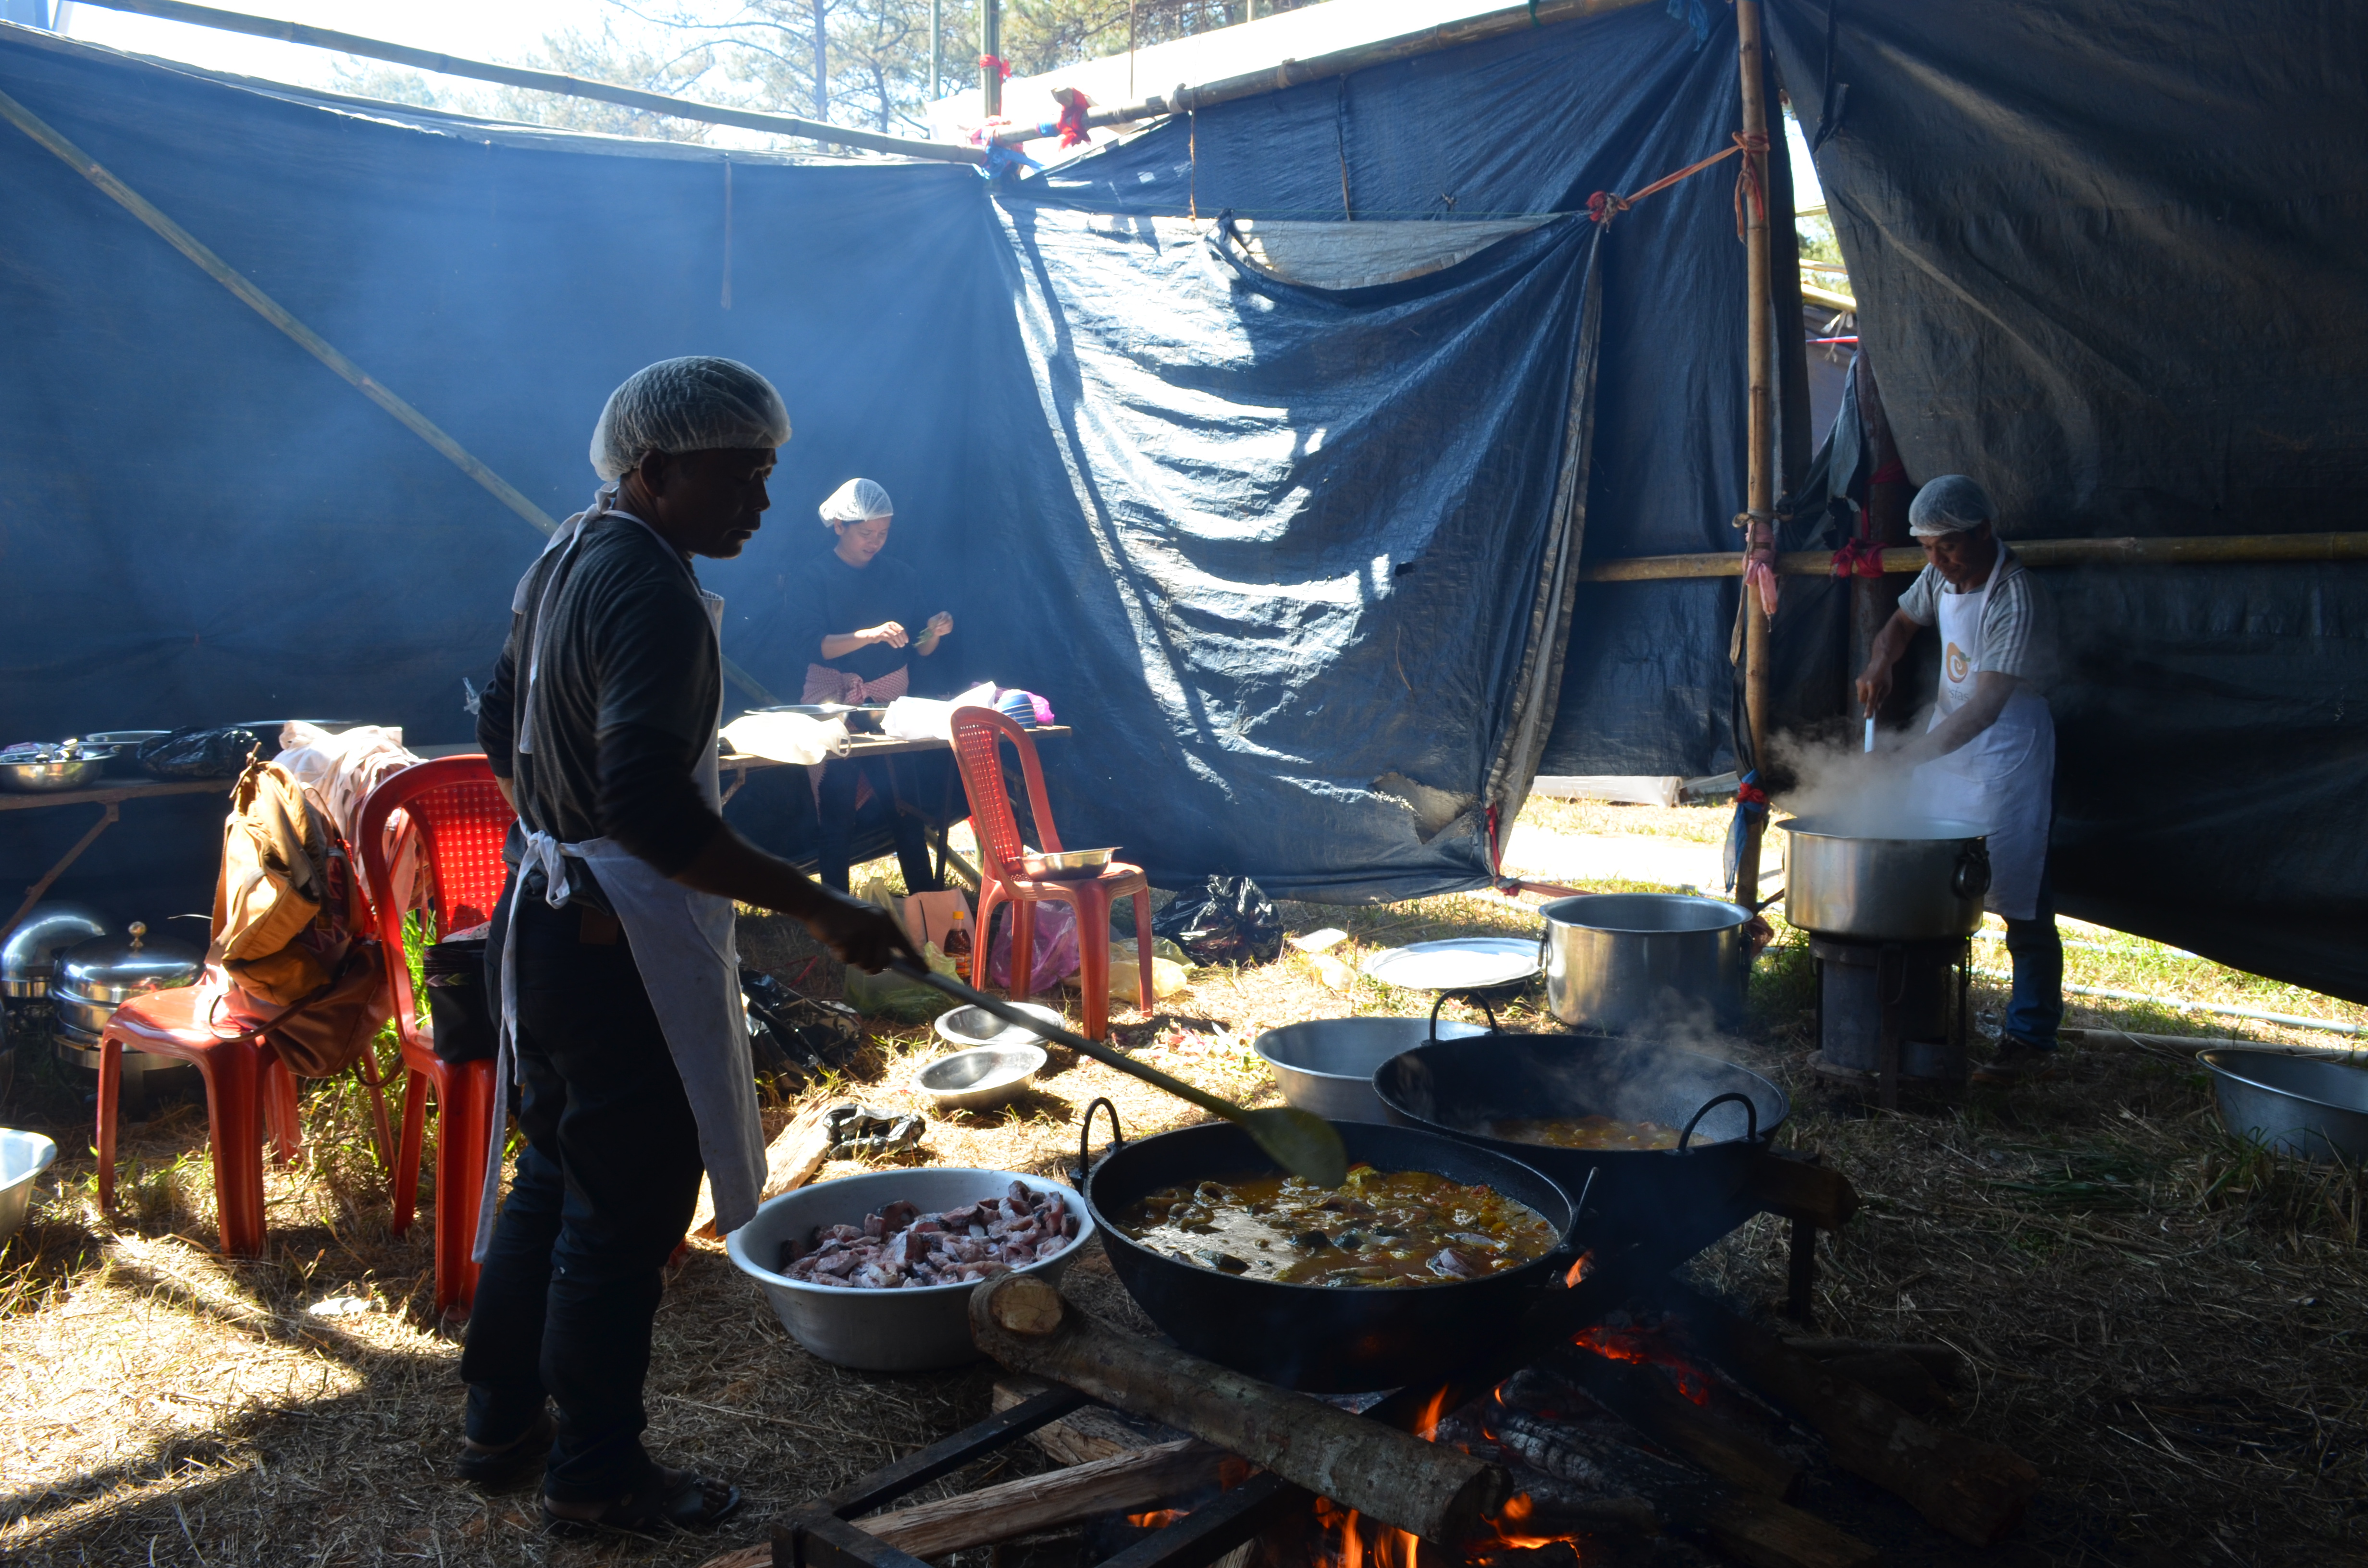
[
  {"x": 109, "y": 970},
  {"x": 32, "y": 948}
]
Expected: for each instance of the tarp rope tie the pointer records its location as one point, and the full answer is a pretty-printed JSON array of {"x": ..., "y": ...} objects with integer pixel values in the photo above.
[
  {"x": 1750, "y": 801},
  {"x": 1859, "y": 558},
  {"x": 1074, "y": 104},
  {"x": 996, "y": 63},
  {"x": 1606, "y": 205}
]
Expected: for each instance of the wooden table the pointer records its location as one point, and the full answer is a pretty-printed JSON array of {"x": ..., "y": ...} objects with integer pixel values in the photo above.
[{"x": 110, "y": 798}]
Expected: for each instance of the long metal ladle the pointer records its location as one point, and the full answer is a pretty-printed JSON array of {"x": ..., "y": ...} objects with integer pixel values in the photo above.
[{"x": 1300, "y": 1142}]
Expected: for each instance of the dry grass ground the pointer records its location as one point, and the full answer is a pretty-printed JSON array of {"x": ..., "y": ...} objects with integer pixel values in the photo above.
[{"x": 2169, "y": 1325}]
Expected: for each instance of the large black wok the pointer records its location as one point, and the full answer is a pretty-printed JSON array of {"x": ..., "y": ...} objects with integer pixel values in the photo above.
[
  {"x": 1324, "y": 1339},
  {"x": 1460, "y": 1086}
]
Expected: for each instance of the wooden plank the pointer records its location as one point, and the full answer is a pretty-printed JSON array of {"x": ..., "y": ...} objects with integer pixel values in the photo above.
[
  {"x": 112, "y": 794},
  {"x": 1118, "y": 1485},
  {"x": 791, "y": 1159},
  {"x": 2195, "y": 550},
  {"x": 1651, "y": 1404}
]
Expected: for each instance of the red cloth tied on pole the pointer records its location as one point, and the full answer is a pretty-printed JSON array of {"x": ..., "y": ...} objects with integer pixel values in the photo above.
[
  {"x": 1859, "y": 558},
  {"x": 996, "y": 63},
  {"x": 1750, "y": 794},
  {"x": 1074, "y": 104}
]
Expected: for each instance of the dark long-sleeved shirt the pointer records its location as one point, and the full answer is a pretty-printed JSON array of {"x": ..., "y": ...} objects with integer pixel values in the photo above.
[
  {"x": 629, "y": 686},
  {"x": 829, "y": 597}
]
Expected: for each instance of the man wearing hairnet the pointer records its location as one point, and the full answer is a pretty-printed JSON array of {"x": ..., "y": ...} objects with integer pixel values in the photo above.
[
  {"x": 612, "y": 951},
  {"x": 1988, "y": 755}
]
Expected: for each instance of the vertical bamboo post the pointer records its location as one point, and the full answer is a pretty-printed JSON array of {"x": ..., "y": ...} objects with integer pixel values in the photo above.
[
  {"x": 1762, "y": 425},
  {"x": 990, "y": 45},
  {"x": 937, "y": 47}
]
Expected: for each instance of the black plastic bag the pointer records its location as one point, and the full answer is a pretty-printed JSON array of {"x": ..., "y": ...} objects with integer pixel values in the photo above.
[
  {"x": 794, "y": 1036},
  {"x": 215, "y": 753},
  {"x": 1229, "y": 921},
  {"x": 460, "y": 1003}
]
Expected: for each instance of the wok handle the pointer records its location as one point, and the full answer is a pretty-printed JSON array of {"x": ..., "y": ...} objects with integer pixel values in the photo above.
[
  {"x": 1085, "y": 1137},
  {"x": 1471, "y": 999},
  {"x": 1750, "y": 1109},
  {"x": 1569, "y": 1246}
]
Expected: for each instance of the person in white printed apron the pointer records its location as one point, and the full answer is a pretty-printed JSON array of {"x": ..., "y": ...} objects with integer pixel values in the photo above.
[
  {"x": 1989, "y": 754},
  {"x": 853, "y": 611},
  {"x": 612, "y": 951}
]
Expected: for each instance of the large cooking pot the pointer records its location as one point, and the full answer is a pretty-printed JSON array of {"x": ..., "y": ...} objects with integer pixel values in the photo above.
[
  {"x": 1327, "y": 1340},
  {"x": 1623, "y": 961},
  {"x": 94, "y": 978},
  {"x": 30, "y": 956},
  {"x": 1914, "y": 882},
  {"x": 1462, "y": 1087}
]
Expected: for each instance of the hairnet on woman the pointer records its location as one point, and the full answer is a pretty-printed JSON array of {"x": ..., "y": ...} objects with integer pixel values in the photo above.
[{"x": 860, "y": 616}]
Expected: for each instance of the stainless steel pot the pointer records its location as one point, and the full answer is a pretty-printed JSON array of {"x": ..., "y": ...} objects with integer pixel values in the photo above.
[
  {"x": 1919, "y": 881},
  {"x": 95, "y": 977},
  {"x": 31, "y": 954},
  {"x": 1621, "y": 963}
]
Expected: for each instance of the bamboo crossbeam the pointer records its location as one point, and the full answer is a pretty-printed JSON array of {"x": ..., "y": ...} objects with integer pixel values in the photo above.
[
  {"x": 539, "y": 81},
  {"x": 1340, "y": 62},
  {"x": 2204, "y": 549}
]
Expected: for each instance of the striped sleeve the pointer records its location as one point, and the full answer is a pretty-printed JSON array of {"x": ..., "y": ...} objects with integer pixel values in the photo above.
[
  {"x": 1916, "y": 603},
  {"x": 2015, "y": 630}
]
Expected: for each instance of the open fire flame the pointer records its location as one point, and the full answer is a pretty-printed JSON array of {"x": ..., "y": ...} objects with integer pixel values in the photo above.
[
  {"x": 1157, "y": 1519},
  {"x": 1353, "y": 1543}
]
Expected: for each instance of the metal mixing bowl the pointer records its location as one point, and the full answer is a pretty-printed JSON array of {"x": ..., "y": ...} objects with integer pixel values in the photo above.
[
  {"x": 988, "y": 1076},
  {"x": 1065, "y": 865},
  {"x": 883, "y": 1331},
  {"x": 2311, "y": 1106},
  {"x": 72, "y": 767}
]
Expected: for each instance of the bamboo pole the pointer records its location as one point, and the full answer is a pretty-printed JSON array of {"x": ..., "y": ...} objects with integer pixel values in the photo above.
[
  {"x": 2197, "y": 549},
  {"x": 990, "y": 63},
  {"x": 1762, "y": 427},
  {"x": 1340, "y": 63},
  {"x": 538, "y": 81}
]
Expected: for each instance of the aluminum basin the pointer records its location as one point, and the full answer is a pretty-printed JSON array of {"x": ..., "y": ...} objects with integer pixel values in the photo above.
[
  {"x": 1327, "y": 1065},
  {"x": 2310, "y": 1106},
  {"x": 883, "y": 1331}
]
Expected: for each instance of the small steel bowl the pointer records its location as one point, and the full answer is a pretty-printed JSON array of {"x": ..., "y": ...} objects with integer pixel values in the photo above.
[
  {"x": 48, "y": 771},
  {"x": 986, "y": 1075},
  {"x": 1065, "y": 865},
  {"x": 963, "y": 1027}
]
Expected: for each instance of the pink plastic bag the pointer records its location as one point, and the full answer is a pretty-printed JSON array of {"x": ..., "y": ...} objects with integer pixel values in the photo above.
[{"x": 1057, "y": 945}]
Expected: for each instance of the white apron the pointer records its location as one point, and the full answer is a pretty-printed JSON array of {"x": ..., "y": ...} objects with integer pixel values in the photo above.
[
  {"x": 682, "y": 940},
  {"x": 2003, "y": 777}
]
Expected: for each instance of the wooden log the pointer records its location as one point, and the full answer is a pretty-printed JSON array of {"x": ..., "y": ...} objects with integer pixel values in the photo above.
[
  {"x": 1799, "y": 1188},
  {"x": 1975, "y": 1491},
  {"x": 1438, "y": 1493},
  {"x": 1756, "y": 1529},
  {"x": 1896, "y": 1375},
  {"x": 791, "y": 1159},
  {"x": 1945, "y": 1362},
  {"x": 1005, "y": 1512},
  {"x": 1651, "y": 1404}
]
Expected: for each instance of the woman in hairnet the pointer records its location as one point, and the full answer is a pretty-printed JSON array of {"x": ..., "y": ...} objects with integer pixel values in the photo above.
[
  {"x": 858, "y": 614},
  {"x": 621, "y": 1025},
  {"x": 1988, "y": 755}
]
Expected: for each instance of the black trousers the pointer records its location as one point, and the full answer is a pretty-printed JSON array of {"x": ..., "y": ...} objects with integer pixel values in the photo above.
[
  {"x": 838, "y": 802},
  {"x": 603, "y": 1191}
]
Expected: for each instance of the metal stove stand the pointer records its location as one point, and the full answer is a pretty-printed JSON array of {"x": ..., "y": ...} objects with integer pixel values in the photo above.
[{"x": 1892, "y": 1016}]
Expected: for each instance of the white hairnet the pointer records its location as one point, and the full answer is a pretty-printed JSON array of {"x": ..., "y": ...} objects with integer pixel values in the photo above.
[
  {"x": 693, "y": 405},
  {"x": 858, "y": 501},
  {"x": 1950, "y": 504}
]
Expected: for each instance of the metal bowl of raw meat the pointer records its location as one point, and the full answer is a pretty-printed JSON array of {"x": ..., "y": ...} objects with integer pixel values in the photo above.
[{"x": 909, "y": 1329}]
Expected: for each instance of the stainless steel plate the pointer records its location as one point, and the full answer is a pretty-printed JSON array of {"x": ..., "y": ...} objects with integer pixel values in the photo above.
[{"x": 1455, "y": 963}]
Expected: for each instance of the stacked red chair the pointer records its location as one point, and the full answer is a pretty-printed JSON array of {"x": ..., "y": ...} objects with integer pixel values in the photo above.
[
  {"x": 461, "y": 819},
  {"x": 978, "y": 737}
]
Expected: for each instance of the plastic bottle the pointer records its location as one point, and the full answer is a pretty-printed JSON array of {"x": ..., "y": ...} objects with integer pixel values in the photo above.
[{"x": 958, "y": 942}]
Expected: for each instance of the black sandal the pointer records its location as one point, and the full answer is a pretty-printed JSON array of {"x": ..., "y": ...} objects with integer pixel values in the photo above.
[
  {"x": 673, "y": 1500},
  {"x": 496, "y": 1468}
]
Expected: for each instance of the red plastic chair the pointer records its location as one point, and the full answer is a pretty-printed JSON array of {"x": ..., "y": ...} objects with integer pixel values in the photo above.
[
  {"x": 458, "y": 811},
  {"x": 978, "y": 734},
  {"x": 248, "y": 1091}
]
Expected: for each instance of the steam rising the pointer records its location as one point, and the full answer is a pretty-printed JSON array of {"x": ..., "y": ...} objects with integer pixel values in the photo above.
[{"x": 1869, "y": 795}]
